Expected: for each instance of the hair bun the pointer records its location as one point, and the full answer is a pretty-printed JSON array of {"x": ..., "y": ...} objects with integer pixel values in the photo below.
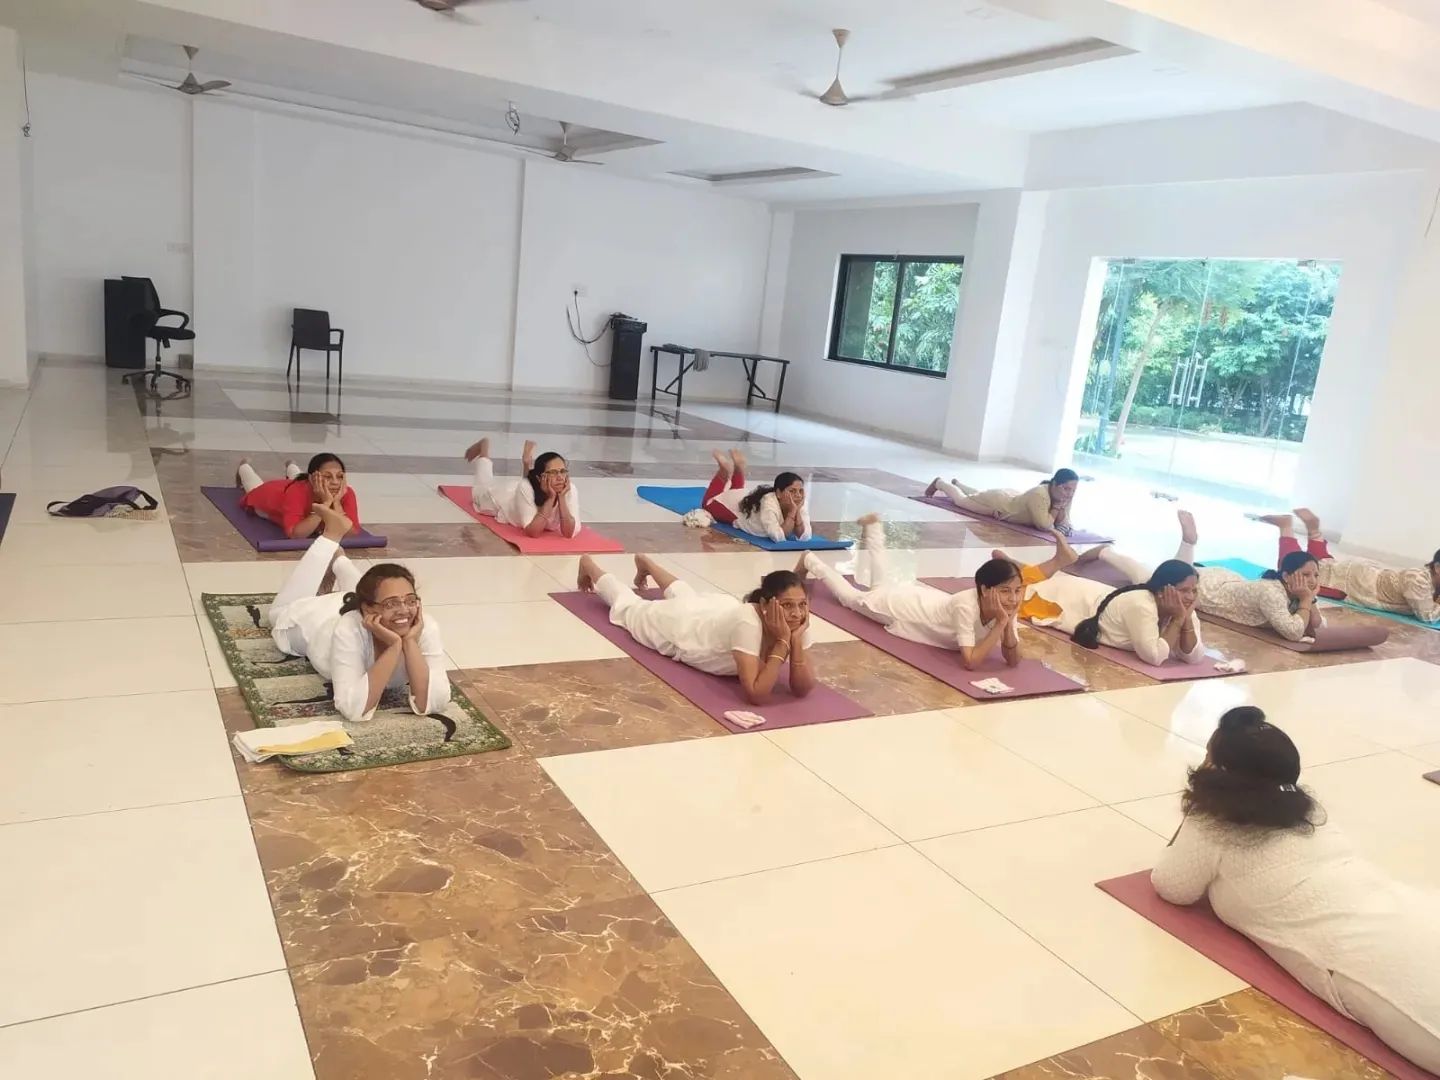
[{"x": 1242, "y": 717}]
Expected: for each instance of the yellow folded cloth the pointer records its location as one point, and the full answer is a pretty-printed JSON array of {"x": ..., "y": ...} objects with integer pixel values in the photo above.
[{"x": 262, "y": 744}]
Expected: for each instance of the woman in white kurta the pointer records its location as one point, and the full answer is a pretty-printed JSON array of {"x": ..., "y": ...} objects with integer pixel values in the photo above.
[
  {"x": 1413, "y": 591},
  {"x": 975, "y": 622},
  {"x": 776, "y": 511},
  {"x": 543, "y": 500},
  {"x": 369, "y": 636},
  {"x": 1044, "y": 506},
  {"x": 751, "y": 639},
  {"x": 1257, "y": 845}
]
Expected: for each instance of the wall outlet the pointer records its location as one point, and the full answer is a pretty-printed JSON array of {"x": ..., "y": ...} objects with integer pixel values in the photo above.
[{"x": 578, "y": 291}]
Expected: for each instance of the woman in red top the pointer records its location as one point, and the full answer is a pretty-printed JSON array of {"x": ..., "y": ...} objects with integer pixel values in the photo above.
[{"x": 289, "y": 502}]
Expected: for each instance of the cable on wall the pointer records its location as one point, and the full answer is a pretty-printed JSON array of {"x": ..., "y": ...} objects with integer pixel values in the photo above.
[
  {"x": 574, "y": 325},
  {"x": 25, "y": 89}
]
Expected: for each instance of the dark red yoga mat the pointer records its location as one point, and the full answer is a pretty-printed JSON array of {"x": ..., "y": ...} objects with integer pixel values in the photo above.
[
  {"x": 715, "y": 695},
  {"x": 1201, "y": 929},
  {"x": 266, "y": 535},
  {"x": 1029, "y": 678},
  {"x": 1078, "y": 536}
]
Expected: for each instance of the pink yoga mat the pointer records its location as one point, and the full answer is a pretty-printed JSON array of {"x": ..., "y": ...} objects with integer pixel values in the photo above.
[
  {"x": 715, "y": 695},
  {"x": 1029, "y": 678},
  {"x": 586, "y": 542},
  {"x": 1199, "y": 928},
  {"x": 1079, "y": 536},
  {"x": 1204, "y": 669},
  {"x": 265, "y": 535}
]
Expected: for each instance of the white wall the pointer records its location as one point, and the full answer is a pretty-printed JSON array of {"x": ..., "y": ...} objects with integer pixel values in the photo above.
[
  {"x": 14, "y": 359},
  {"x": 898, "y": 401},
  {"x": 112, "y": 192},
  {"x": 689, "y": 264},
  {"x": 1369, "y": 222}
]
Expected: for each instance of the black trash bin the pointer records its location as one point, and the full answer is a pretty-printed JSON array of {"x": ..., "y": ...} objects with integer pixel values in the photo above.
[{"x": 625, "y": 339}]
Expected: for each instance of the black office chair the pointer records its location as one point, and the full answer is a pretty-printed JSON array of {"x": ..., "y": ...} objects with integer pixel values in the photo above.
[
  {"x": 149, "y": 319},
  {"x": 310, "y": 329}
]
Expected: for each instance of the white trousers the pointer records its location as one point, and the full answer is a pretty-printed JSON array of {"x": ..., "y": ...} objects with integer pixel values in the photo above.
[
  {"x": 304, "y": 584},
  {"x": 483, "y": 491},
  {"x": 250, "y": 479}
]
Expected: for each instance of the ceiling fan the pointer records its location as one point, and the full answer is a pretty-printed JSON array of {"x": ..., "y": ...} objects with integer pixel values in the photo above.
[
  {"x": 192, "y": 85},
  {"x": 836, "y": 95},
  {"x": 564, "y": 153},
  {"x": 447, "y": 7}
]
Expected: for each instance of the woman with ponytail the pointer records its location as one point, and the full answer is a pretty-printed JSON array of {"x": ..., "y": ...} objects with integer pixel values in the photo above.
[
  {"x": 975, "y": 622},
  {"x": 1257, "y": 845},
  {"x": 368, "y": 636},
  {"x": 543, "y": 500},
  {"x": 1044, "y": 506},
  {"x": 287, "y": 502},
  {"x": 751, "y": 639},
  {"x": 774, "y": 510}
]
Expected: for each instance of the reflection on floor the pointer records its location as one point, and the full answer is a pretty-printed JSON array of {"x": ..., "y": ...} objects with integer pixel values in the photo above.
[{"x": 628, "y": 891}]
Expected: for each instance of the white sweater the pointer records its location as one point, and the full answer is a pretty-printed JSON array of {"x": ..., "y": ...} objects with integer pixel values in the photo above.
[
  {"x": 1316, "y": 908},
  {"x": 767, "y": 520}
]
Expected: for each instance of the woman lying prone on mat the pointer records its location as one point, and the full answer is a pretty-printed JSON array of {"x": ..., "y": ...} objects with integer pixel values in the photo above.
[
  {"x": 1415, "y": 591},
  {"x": 368, "y": 636},
  {"x": 714, "y": 632},
  {"x": 975, "y": 621},
  {"x": 1257, "y": 844},
  {"x": 776, "y": 511},
  {"x": 543, "y": 500},
  {"x": 1045, "y": 506},
  {"x": 289, "y": 502}
]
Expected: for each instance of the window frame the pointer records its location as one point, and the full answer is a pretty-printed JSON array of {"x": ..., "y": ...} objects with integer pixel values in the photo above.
[{"x": 842, "y": 279}]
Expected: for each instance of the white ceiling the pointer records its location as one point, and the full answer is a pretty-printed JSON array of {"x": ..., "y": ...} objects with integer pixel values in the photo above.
[{"x": 719, "y": 84}]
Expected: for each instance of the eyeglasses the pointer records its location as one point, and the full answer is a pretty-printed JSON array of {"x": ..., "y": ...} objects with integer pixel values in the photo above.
[
  {"x": 398, "y": 603},
  {"x": 556, "y": 472}
]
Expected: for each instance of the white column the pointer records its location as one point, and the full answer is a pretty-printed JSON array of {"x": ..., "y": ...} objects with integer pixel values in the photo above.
[{"x": 14, "y": 353}]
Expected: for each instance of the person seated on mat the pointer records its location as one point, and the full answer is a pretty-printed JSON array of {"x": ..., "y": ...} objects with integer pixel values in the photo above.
[
  {"x": 1045, "y": 506},
  {"x": 289, "y": 502},
  {"x": 367, "y": 636},
  {"x": 1414, "y": 591},
  {"x": 776, "y": 511},
  {"x": 977, "y": 622},
  {"x": 714, "y": 632},
  {"x": 543, "y": 500},
  {"x": 1257, "y": 844}
]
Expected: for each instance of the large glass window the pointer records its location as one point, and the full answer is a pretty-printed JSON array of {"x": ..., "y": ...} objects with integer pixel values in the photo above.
[
  {"x": 897, "y": 311},
  {"x": 1202, "y": 371}
]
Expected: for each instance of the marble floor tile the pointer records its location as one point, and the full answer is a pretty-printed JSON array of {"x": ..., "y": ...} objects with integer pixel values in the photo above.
[
  {"x": 1141, "y": 1053},
  {"x": 418, "y": 509},
  {"x": 686, "y": 812},
  {"x": 562, "y": 569},
  {"x": 125, "y": 905},
  {"x": 586, "y": 705},
  {"x": 523, "y": 632},
  {"x": 99, "y": 754},
  {"x": 88, "y": 542},
  {"x": 495, "y": 580},
  {"x": 608, "y": 989},
  {"x": 97, "y": 658},
  {"x": 926, "y": 774},
  {"x": 1248, "y": 1036},
  {"x": 1041, "y": 875},
  {"x": 190, "y": 1033},
  {"x": 879, "y": 964},
  {"x": 1106, "y": 753},
  {"x": 1430, "y": 754},
  {"x": 390, "y": 858},
  {"x": 144, "y": 590},
  {"x": 878, "y": 681}
]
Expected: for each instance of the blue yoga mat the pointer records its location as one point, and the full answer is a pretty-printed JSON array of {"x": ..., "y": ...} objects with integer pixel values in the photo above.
[
  {"x": 1253, "y": 571},
  {"x": 681, "y": 500}
]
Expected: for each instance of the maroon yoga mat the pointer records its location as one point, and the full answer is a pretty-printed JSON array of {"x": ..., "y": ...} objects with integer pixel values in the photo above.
[
  {"x": 1078, "y": 536},
  {"x": 1203, "y": 669},
  {"x": 265, "y": 535},
  {"x": 1327, "y": 638},
  {"x": 715, "y": 695},
  {"x": 1199, "y": 928},
  {"x": 1029, "y": 678},
  {"x": 1433, "y": 777}
]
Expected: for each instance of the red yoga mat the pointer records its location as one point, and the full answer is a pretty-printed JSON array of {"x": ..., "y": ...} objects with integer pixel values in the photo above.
[
  {"x": 1029, "y": 678},
  {"x": 1202, "y": 930},
  {"x": 715, "y": 695},
  {"x": 586, "y": 542}
]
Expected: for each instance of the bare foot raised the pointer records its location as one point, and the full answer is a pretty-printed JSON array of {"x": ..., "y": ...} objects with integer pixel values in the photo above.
[
  {"x": 642, "y": 572},
  {"x": 1311, "y": 520},
  {"x": 868, "y": 519},
  {"x": 801, "y": 570},
  {"x": 337, "y": 525},
  {"x": 740, "y": 460},
  {"x": 243, "y": 462},
  {"x": 527, "y": 455},
  {"x": 1188, "y": 533},
  {"x": 478, "y": 450},
  {"x": 1284, "y": 522},
  {"x": 723, "y": 461},
  {"x": 934, "y": 487},
  {"x": 588, "y": 574}
]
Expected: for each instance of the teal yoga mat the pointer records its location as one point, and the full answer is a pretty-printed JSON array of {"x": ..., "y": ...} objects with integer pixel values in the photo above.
[
  {"x": 1253, "y": 571},
  {"x": 681, "y": 500}
]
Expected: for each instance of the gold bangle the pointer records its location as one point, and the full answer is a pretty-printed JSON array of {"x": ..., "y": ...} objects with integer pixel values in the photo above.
[{"x": 777, "y": 656}]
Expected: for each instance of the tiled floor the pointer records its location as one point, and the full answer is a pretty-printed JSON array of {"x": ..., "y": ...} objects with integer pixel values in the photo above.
[{"x": 628, "y": 891}]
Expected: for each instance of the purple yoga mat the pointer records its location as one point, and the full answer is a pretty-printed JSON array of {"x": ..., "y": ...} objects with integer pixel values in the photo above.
[
  {"x": 1204, "y": 669},
  {"x": 1079, "y": 536},
  {"x": 1029, "y": 678},
  {"x": 1199, "y": 927},
  {"x": 715, "y": 695},
  {"x": 266, "y": 535}
]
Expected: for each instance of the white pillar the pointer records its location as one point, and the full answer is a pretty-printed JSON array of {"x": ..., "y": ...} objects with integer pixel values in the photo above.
[{"x": 14, "y": 157}]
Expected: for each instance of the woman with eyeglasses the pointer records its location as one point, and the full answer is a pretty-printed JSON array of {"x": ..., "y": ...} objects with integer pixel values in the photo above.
[
  {"x": 543, "y": 500},
  {"x": 368, "y": 636}
]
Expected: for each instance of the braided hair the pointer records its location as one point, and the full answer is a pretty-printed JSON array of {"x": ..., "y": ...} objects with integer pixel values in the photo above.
[{"x": 1170, "y": 572}]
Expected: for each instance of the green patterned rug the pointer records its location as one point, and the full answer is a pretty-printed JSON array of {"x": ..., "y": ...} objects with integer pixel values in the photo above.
[{"x": 284, "y": 690}]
